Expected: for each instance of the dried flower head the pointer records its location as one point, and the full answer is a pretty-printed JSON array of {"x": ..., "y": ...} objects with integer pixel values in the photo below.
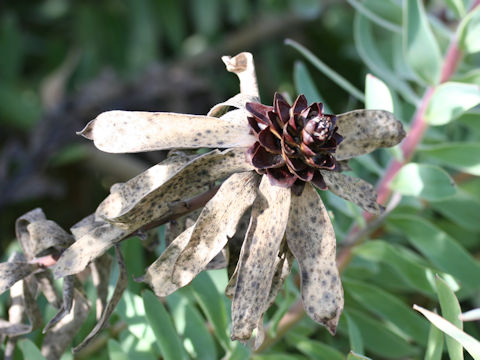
[
  {"x": 293, "y": 142},
  {"x": 273, "y": 155}
]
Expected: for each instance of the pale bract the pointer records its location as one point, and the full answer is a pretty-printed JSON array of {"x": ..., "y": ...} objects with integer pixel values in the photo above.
[{"x": 283, "y": 221}]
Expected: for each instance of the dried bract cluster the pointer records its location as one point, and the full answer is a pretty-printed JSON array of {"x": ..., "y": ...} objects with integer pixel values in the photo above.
[{"x": 255, "y": 195}]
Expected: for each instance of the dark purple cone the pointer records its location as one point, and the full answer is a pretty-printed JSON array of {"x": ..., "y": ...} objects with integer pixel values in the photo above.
[{"x": 293, "y": 142}]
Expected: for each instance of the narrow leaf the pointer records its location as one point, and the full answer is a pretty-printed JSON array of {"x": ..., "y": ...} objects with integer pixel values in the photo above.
[
  {"x": 115, "y": 351},
  {"x": 421, "y": 49},
  {"x": 305, "y": 85},
  {"x": 468, "y": 31},
  {"x": 435, "y": 344},
  {"x": 367, "y": 47},
  {"x": 362, "y": 7},
  {"x": 463, "y": 156},
  {"x": 451, "y": 312},
  {"x": 314, "y": 349},
  {"x": 320, "y": 65},
  {"x": 443, "y": 251},
  {"x": 389, "y": 308},
  {"x": 30, "y": 350},
  {"x": 379, "y": 339},
  {"x": 162, "y": 326},
  {"x": 469, "y": 343},
  {"x": 426, "y": 181},
  {"x": 450, "y": 100},
  {"x": 354, "y": 335},
  {"x": 212, "y": 304}
]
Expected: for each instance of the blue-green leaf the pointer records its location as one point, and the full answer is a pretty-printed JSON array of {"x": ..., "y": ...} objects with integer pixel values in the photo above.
[
  {"x": 278, "y": 356},
  {"x": 368, "y": 50},
  {"x": 457, "y": 7},
  {"x": 206, "y": 16},
  {"x": 354, "y": 335},
  {"x": 468, "y": 30},
  {"x": 161, "y": 323},
  {"x": 212, "y": 304},
  {"x": 377, "y": 94},
  {"x": 354, "y": 355},
  {"x": 115, "y": 351},
  {"x": 406, "y": 263},
  {"x": 305, "y": 85},
  {"x": 426, "y": 181},
  {"x": 329, "y": 72},
  {"x": 314, "y": 349},
  {"x": 461, "y": 208},
  {"x": 191, "y": 326},
  {"x": 367, "y": 8},
  {"x": 451, "y": 312},
  {"x": 379, "y": 339},
  {"x": 388, "y": 307},
  {"x": 131, "y": 309},
  {"x": 239, "y": 352},
  {"x": 450, "y": 100},
  {"x": 463, "y": 156},
  {"x": 435, "y": 344},
  {"x": 30, "y": 350},
  {"x": 443, "y": 251},
  {"x": 421, "y": 49},
  {"x": 468, "y": 342}
]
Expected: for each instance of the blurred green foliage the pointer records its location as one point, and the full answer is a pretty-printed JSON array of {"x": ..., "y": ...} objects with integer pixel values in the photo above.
[{"x": 426, "y": 249}]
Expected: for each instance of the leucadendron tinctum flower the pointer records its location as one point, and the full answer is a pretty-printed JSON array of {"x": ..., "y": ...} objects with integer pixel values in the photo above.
[{"x": 272, "y": 160}]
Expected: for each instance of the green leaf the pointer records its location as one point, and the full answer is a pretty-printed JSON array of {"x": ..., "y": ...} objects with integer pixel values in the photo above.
[
  {"x": 367, "y": 48},
  {"x": 239, "y": 352},
  {"x": 463, "y": 156},
  {"x": 305, "y": 85},
  {"x": 450, "y": 100},
  {"x": 457, "y": 7},
  {"x": 238, "y": 11},
  {"x": 115, "y": 351},
  {"x": 314, "y": 349},
  {"x": 353, "y": 355},
  {"x": 161, "y": 323},
  {"x": 426, "y": 181},
  {"x": 143, "y": 42},
  {"x": 11, "y": 47},
  {"x": 435, "y": 344},
  {"x": 171, "y": 18},
  {"x": 468, "y": 342},
  {"x": 421, "y": 49},
  {"x": 278, "y": 356},
  {"x": 379, "y": 339},
  {"x": 329, "y": 72},
  {"x": 472, "y": 77},
  {"x": 191, "y": 326},
  {"x": 369, "y": 12},
  {"x": 211, "y": 302},
  {"x": 131, "y": 309},
  {"x": 390, "y": 308},
  {"x": 406, "y": 263},
  {"x": 461, "y": 208},
  {"x": 138, "y": 349},
  {"x": 451, "y": 312},
  {"x": 206, "y": 16},
  {"x": 389, "y": 10},
  {"x": 377, "y": 94},
  {"x": 354, "y": 335},
  {"x": 443, "y": 251},
  {"x": 468, "y": 30},
  {"x": 30, "y": 350}
]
